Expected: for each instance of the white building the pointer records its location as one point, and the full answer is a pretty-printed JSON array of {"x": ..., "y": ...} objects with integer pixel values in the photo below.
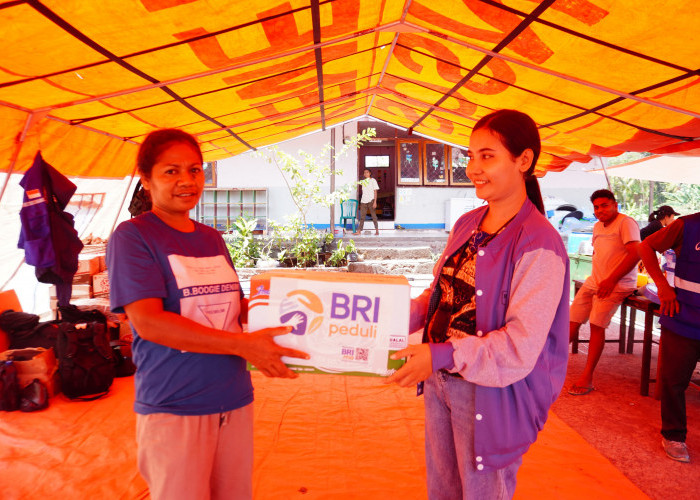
[{"x": 422, "y": 183}]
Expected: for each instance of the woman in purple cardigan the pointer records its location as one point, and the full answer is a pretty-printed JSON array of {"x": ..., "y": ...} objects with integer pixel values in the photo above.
[{"x": 495, "y": 322}]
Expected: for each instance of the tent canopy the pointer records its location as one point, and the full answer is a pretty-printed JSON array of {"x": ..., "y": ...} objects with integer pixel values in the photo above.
[
  {"x": 85, "y": 81},
  {"x": 677, "y": 170}
]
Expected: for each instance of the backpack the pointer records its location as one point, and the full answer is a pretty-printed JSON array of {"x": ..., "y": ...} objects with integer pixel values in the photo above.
[
  {"x": 9, "y": 386},
  {"x": 85, "y": 363},
  {"x": 72, "y": 314}
]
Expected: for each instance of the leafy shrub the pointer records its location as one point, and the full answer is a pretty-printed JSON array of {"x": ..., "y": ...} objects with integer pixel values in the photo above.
[
  {"x": 240, "y": 241},
  {"x": 339, "y": 255}
]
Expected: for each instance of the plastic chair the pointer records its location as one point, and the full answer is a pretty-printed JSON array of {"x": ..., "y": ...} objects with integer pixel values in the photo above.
[{"x": 348, "y": 210}]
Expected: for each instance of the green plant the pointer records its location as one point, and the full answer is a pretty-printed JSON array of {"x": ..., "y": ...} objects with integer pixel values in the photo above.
[
  {"x": 306, "y": 246},
  {"x": 350, "y": 247},
  {"x": 685, "y": 198},
  {"x": 276, "y": 240},
  {"x": 327, "y": 242},
  {"x": 305, "y": 176},
  {"x": 339, "y": 255},
  {"x": 240, "y": 241}
]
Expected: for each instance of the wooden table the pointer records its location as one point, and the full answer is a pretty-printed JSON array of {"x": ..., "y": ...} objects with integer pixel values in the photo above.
[{"x": 650, "y": 309}]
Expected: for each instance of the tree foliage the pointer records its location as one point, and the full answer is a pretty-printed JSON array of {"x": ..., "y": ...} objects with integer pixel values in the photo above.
[
  {"x": 305, "y": 176},
  {"x": 633, "y": 195}
]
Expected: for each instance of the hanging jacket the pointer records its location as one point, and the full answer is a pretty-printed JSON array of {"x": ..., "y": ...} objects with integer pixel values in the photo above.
[{"x": 49, "y": 240}]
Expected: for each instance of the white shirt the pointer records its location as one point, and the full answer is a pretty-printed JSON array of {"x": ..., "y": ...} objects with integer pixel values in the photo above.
[
  {"x": 609, "y": 250},
  {"x": 368, "y": 191}
]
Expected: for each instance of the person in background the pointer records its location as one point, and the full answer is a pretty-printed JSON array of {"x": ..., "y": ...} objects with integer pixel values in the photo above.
[
  {"x": 494, "y": 321},
  {"x": 175, "y": 280},
  {"x": 613, "y": 277},
  {"x": 368, "y": 201},
  {"x": 659, "y": 218},
  {"x": 679, "y": 348}
]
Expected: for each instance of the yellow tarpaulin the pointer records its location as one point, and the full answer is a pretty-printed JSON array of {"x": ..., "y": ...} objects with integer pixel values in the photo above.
[{"x": 85, "y": 81}]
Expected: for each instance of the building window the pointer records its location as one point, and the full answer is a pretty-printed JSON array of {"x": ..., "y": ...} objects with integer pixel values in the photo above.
[
  {"x": 409, "y": 162},
  {"x": 435, "y": 171},
  {"x": 377, "y": 161},
  {"x": 427, "y": 163},
  {"x": 458, "y": 167},
  {"x": 209, "y": 168},
  {"x": 219, "y": 208}
]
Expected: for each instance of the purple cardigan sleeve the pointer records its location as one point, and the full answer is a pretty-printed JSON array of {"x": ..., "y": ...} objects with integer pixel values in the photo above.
[{"x": 508, "y": 354}]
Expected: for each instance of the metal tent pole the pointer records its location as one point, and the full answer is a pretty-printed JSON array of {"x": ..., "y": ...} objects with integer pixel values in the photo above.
[
  {"x": 605, "y": 171},
  {"x": 121, "y": 205},
  {"x": 332, "y": 188},
  {"x": 20, "y": 142}
]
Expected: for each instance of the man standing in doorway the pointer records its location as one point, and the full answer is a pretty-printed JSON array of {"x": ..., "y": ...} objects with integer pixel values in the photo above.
[
  {"x": 613, "y": 277},
  {"x": 368, "y": 201},
  {"x": 679, "y": 350}
]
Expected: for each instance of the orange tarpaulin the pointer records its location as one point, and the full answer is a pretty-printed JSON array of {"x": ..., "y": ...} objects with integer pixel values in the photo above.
[
  {"x": 319, "y": 436},
  {"x": 85, "y": 81}
]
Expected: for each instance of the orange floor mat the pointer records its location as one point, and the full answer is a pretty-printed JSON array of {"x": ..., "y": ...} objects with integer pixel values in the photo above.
[{"x": 320, "y": 437}]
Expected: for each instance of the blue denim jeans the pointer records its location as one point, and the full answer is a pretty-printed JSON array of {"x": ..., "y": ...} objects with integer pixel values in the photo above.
[{"x": 449, "y": 445}]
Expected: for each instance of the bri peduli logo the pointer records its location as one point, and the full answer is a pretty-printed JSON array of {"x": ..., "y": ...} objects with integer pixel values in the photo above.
[{"x": 302, "y": 310}]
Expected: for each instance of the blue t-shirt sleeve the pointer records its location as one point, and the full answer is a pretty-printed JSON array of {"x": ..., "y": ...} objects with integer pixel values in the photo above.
[{"x": 133, "y": 271}]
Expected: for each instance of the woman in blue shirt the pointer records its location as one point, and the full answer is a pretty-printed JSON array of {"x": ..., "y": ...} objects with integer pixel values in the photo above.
[{"x": 174, "y": 279}]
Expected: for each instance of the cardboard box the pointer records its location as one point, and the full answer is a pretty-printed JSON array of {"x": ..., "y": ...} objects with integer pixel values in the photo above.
[
  {"x": 82, "y": 279},
  {"x": 349, "y": 323},
  {"x": 77, "y": 291},
  {"x": 34, "y": 363},
  {"x": 100, "y": 284},
  {"x": 88, "y": 264}
]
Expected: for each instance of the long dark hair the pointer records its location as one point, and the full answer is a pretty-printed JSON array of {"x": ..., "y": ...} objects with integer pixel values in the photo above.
[
  {"x": 158, "y": 141},
  {"x": 517, "y": 132}
]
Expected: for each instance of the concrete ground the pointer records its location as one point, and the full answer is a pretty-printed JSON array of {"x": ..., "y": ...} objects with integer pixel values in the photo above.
[{"x": 624, "y": 426}]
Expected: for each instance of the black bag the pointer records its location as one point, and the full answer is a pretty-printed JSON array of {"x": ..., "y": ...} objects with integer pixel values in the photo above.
[
  {"x": 9, "y": 386},
  {"x": 85, "y": 362},
  {"x": 72, "y": 314},
  {"x": 123, "y": 365},
  {"x": 140, "y": 201},
  {"x": 35, "y": 397},
  {"x": 25, "y": 330}
]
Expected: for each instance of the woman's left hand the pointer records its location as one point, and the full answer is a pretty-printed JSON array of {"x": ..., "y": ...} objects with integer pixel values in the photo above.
[{"x": 418, "y": 367}]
